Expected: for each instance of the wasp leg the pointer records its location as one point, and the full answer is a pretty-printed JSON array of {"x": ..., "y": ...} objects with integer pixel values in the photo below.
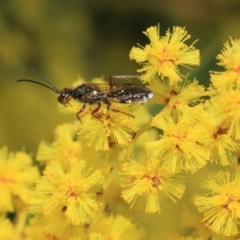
[
  {"x": 128, "y": 114},
  {"x": 96, "y": 110},
  {"x": 115, "y": 110},
  {"x": 80, "y": 111}
]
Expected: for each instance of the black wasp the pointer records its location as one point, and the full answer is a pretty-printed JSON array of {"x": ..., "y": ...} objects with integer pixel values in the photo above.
[{"x": 89, "y": 93}]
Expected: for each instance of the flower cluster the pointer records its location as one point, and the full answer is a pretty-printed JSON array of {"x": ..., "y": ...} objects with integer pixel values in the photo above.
[{"x": 129, "y": 171}]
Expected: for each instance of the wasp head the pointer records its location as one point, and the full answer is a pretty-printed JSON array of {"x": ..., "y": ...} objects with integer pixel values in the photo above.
[{"x": 65, "y": 95}]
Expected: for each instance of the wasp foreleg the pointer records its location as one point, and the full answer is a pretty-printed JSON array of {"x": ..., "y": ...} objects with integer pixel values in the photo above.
[{"x": 80, "y": 111}]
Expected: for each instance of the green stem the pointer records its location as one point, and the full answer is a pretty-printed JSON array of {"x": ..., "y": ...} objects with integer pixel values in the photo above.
[
  {"x": 130, "y": 147},
  {"x": 197, "y": 94},
  {"x": 96, "y": 219},
  {"x": 100, "y": 214},
  {"x": 114, "y": 169}
]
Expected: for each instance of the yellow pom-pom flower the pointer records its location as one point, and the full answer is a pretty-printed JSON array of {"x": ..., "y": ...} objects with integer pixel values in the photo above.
[
  {"x": 65, "y": 145},
  {"x": 107, "y": 128},
  {"x": 223, "y": 147},
  {"x": 116, "y": 227},
  {"x": 226, "y": 104},
  {"x": 149, "y": 180},
  {"x": 230, "y": 60},
  {"x": 164, "y": 54},
  {"x": 182, "y": 146},
  {"x": 68, "y": 189},
  {"x": 17, "y": 177},
  {"x": 221, "y": 207}
]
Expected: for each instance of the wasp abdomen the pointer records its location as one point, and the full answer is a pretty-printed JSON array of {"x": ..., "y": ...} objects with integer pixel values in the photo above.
[{"x": 133, "y": 94}]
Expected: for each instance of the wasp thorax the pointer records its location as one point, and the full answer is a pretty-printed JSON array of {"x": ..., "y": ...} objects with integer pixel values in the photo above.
[
  {"x": 82, "y": 90},
  {"x": 65, "y": 95}
]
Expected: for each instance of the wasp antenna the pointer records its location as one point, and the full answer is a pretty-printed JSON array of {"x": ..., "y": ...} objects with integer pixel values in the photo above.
[
  {"x": 42, "y": 84},
  {"x": 40, "y": 75}
]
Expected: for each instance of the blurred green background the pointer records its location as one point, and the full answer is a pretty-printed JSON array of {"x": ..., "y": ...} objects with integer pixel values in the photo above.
[{"x": 66, "y": 39}]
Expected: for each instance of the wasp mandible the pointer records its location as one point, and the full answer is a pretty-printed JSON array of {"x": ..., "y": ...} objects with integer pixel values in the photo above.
[{"x": 90, "y": 93}]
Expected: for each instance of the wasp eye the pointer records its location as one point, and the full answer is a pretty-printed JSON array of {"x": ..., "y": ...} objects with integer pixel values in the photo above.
[{"x": 64, "y": 96}]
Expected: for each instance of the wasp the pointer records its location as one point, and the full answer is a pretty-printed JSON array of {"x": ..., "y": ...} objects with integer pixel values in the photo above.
[{"x": 90, "y": 93}]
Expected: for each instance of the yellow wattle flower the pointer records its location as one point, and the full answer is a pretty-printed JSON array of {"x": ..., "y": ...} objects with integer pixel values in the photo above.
[
  {"x": 221, "y": 207},
  {"x": 17, "y": 177},
  {"x": 150, "y": 181},
  {"x": 183, "y": 143},
  {"x": 68, "y": 189},
  {"x": 116, "y": 227},
  {"x": 229, "y": 58},
  {"x": 106, "y": 129},
  {"x": 163, "y": 56}
]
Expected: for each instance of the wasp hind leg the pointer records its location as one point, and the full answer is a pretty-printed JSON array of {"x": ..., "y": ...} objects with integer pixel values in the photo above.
[
  {"x": 115, "y": 110},
  {"x": 95, "y": 111}
]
